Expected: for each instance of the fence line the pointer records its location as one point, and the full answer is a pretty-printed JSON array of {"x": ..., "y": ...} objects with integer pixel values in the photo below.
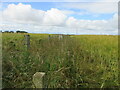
[{"x": 27, "y": 41}]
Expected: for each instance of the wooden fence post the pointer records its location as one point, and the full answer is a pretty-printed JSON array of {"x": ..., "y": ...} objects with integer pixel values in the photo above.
[
  {"x": 27, "y": 41},
  {"x": 38, "y": 79}
]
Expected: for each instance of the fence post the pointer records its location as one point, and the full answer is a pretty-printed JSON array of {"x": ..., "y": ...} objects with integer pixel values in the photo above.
[
  {"x": 38, "y": 79},
  {"x": 27, "y": 41},
  {"x": 60, "y": 37},
  {"x": 49, "y": 37}
]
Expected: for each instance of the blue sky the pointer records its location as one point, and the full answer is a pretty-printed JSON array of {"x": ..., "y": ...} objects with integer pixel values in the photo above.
[
  {"x": 48, "y": 5},
  {"x": 74, "y": 15}
]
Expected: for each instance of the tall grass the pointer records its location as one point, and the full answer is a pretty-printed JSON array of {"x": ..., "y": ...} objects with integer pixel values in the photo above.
[{"x": 78, "y": 61}]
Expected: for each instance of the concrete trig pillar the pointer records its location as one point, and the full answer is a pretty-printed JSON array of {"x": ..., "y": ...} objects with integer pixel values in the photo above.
[{"x": 38, "y": 79}]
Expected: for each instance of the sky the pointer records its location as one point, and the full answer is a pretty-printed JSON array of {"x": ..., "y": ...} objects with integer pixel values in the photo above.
[{"x": 67, "y": 17}]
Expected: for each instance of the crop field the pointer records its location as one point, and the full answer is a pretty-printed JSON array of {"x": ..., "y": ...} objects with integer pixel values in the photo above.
[{"x": 75, "y": 61}]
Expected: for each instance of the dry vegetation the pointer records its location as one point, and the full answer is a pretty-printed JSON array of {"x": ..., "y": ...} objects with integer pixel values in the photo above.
[{"x": 81, "y": 61}]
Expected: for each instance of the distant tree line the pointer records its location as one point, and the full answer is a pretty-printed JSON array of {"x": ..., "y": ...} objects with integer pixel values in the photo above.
[
  {"x": 14, "y": 32},
  {"x": 21, "y": 32}
]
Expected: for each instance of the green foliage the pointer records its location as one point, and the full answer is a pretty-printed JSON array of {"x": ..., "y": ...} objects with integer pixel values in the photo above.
[{"x": 85, "y": 61}]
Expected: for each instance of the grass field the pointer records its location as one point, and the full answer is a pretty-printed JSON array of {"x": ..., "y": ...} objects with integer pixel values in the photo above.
[{"x": 76, "y": 61}]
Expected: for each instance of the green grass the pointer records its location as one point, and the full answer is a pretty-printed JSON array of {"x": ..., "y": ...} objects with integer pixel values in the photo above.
[{"x": 78, "y": 61}]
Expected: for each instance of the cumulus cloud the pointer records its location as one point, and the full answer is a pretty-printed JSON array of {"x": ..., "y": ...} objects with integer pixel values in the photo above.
[
  {"x": 24, "y": 17},
  {"x": 97, "y": 26},
  {"x": 21, "y": 13},
  {"x": 54, "y": 17},
  {"x": 26, "y": 14}
]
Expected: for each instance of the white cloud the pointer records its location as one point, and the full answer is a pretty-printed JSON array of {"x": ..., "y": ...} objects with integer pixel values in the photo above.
[
  {"x": 26, "y": 14},
  {"x": 108, "y": 0},
  {"x": 21, "y": 13},
  {"x": 87, "y": 0},
  {"x": 60, "y": 0},
  {"x": 96, "y": 7},
  {"x": 54, "y": 17},
  {"x": 96, "y": 26},
  {"x": 68, "y": 12},
  {"x": 71, "y": 12},
  {"x": 24, "y": 17}
]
